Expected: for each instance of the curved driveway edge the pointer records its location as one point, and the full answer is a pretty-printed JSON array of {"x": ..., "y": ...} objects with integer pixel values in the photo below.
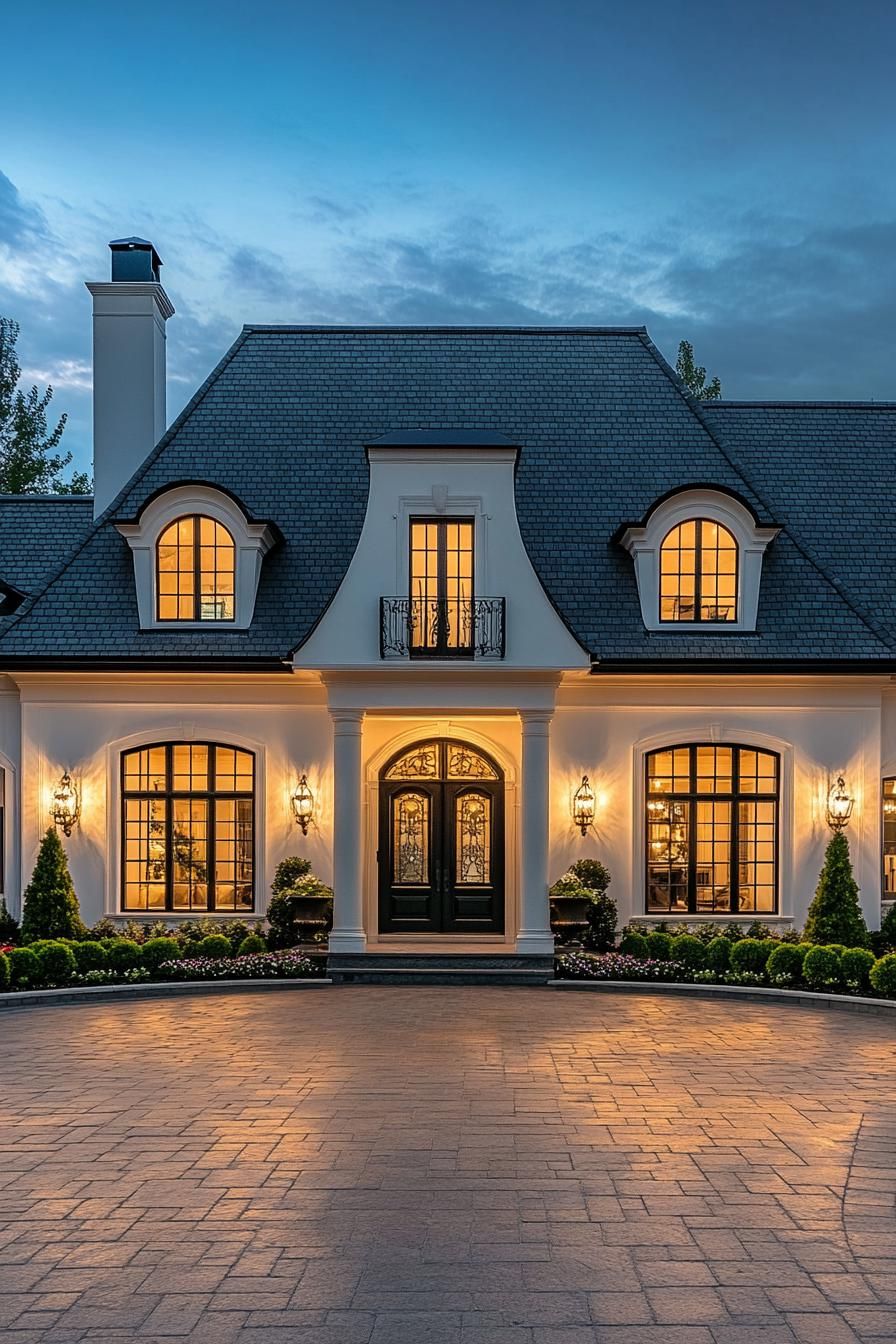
[
  {"x": 805, "y": 997},
  {"x": 93, "y": 993}
]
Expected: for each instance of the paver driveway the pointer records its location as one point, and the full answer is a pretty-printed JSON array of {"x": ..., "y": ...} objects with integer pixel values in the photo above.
[{"x": 479, "y": 1166}]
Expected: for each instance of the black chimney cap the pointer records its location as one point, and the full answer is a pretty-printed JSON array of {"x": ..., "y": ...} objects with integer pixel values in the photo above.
[{"x": 134, "y": 259}]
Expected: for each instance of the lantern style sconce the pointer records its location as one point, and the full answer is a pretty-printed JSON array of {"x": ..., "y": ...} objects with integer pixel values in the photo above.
[
  {"x": 583, "y": 805},
  {"x": 840, "y": 805},
  {"x": 303, "y": 804},
  {"x": 66, "y": 809}
]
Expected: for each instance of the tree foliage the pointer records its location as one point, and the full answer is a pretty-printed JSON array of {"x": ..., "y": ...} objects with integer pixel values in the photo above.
[
  {"x": 29, "y": 464},
  {"x": 50, "y": 908},
  {"x": 693, "y": 375},
  {"x": 835, "y": 915}
]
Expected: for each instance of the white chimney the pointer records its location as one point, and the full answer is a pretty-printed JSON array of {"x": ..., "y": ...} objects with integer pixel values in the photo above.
[{"x": 129, "y": 316}]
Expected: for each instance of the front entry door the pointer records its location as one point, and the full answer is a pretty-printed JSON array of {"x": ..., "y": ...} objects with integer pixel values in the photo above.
[{"x": 441, "y": 841}]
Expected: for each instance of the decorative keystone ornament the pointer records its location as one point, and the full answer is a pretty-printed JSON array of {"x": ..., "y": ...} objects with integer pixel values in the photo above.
[
  {"x": 66, "y": 809},
  {"x": 840, "y": 805},
  {"x": 303, "y": 804},
  {"x": 583, "y": 805}
]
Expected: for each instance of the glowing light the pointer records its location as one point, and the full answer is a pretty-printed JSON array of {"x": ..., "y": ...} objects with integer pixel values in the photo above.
[
  {"x": 303, "y": 804},
  {"x": 583, "y": 806}
]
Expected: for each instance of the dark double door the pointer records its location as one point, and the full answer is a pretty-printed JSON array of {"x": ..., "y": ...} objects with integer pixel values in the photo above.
[{"x": 441, "y": 842}]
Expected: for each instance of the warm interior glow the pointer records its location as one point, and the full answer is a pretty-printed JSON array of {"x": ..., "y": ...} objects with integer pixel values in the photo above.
[
  {"x": 698, "y": 573},
  {"x": 196, "y": 571},
  {"x": 441, "y": 579},
  {"x": 188, "y": 827}
]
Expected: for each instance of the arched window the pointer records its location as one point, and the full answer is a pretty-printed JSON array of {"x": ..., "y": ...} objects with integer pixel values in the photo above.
[
  {"x": 712, "y": 830},
  {"x": 889, "y": 839},
  {"x": 196, "y": 571},
  {"x": 698, "y": 572},
  {"x": 188, "y": 827}
]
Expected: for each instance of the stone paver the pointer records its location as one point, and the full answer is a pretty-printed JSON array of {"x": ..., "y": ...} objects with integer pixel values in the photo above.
[{"x": 446, "y": 1166}]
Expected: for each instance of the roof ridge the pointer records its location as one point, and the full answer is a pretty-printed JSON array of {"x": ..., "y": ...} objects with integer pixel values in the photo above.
[
  {"x": 699, "y": 410},
  {"x": 455, "y": 328},
  {"x": 47, "y": 499},
  {"x": 711, "y": 405}
]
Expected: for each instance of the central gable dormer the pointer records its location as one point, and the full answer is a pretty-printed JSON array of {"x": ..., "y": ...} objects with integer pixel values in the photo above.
[{"x": 440, "y": 573}]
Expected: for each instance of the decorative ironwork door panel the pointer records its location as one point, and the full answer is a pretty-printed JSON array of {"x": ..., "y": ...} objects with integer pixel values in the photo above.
[{"x": 441, "y": 841}]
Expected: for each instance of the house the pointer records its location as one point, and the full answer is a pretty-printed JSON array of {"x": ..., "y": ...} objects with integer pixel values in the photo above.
[{"x": 444, "y": 610}]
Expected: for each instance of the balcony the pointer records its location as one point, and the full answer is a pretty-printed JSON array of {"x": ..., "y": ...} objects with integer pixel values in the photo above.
[{"x": 463, "y": 628}]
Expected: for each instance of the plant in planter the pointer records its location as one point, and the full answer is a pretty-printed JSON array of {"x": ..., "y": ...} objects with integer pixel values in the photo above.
[
  {"x": 50, "y": 907},
  {"x": 835, "y": 915},
  {"x": 301, "y": 906},
  {"x": 570, "y": 908},
  {"x": 602, "y": 911}
]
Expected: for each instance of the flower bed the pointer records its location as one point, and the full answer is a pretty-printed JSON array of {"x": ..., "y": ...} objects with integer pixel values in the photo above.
[
  {"x": 762, "y": 963},
  {"x": 57, "y": 964}
]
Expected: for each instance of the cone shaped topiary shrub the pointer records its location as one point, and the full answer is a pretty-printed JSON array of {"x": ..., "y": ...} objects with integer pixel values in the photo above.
[
  {"x": 9, "y": 927},
  {"x": 835, "y": 915},
  {"x": 886, "y": 939},
  {"x": 50, "y": 904}
]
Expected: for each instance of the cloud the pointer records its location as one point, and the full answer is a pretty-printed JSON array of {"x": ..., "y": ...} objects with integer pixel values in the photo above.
[
  {"x": 21, "y": 223},
  {"x": 777, "y": 306}
]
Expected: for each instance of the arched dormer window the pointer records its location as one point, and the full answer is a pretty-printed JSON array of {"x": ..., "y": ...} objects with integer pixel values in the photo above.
[
  {"x": 195, "y": 571},
  {"x": 197, "y": 559},
  {"x": 698, "y": 572},
  {"x": 698, "y": 561}
]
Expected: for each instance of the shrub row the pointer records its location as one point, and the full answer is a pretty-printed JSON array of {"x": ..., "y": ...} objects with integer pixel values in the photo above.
[
  {"x": 751, "y": 961},
  {"x": 49, "y": 963}
]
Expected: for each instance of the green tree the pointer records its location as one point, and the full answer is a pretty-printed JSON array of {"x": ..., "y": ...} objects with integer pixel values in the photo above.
[
  {"x": 50, "y": 907},
  {"x": 29, "y": 464},
  {"x": 694, "y": 375},
  {"x": 835, "y": 915}
]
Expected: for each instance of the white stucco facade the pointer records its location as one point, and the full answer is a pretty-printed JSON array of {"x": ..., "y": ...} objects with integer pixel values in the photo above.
[{"x": 820, "y": 727}]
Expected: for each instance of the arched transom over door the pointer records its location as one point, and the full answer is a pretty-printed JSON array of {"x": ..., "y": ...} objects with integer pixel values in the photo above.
[{"x": 441, "y": 841}]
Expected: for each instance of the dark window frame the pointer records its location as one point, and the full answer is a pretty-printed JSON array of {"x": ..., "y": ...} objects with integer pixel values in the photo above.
[
  {"x": 441, "y": 648},
  {"x": 196, "y": 618},
  {"x": 884, "y": 822},
  {"x": 692, "y": 796},
  {"x": 169, "y": 794},
  {"x": 698, "y": 618}
]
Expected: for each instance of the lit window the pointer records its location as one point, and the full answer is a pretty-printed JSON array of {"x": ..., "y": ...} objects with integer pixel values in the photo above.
[
  {"x": 712, "y": 830},
  {"x": 196, "y": 571},
  {"x": 889, "y": 839},
  {"x": 698, "y": 573},
  {"x": 188, "y": 828}
]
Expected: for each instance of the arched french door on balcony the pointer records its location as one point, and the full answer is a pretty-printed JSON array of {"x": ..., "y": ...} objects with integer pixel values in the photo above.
[{"x": 441, "y": 840}]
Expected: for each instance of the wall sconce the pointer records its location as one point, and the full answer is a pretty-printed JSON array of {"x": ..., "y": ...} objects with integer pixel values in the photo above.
[
  {"x": 583, "y": 805},
  {"x": 302, "y": 804},
  {"x": 840, "y": 805},
  {"x": 66, "y": 809}
]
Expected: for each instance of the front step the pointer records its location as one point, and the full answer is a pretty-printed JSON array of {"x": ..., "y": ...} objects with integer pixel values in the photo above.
[{"x": 437, "y": 968}]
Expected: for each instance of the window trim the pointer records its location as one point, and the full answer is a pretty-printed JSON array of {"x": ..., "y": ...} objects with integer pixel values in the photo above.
[
  {"x": 692, "y": 797},
  {"x": 712, "y": 504},
  {"x": 698, "y": 619},
  {"x": 195, "y": 619},
  {"x": 887, "y": 778},
  {"x": 251, "y": 541},
  {"x": 169, "y": 794}
]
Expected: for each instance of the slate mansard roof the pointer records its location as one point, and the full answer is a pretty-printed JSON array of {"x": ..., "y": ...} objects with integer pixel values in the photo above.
[{"x": 605, "y": 430}]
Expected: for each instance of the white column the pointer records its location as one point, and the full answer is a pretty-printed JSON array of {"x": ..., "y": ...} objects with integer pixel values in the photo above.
[
  {"x": 535, "y": 916},
  {"x": 348, "y": 915}
]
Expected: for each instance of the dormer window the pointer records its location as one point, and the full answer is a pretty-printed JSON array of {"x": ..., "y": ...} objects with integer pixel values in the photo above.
[
  {"x": 698, "y": 572},
  {"x": 196, "y": 571},
  {"x": 197, "y": 559},
  {"x": 698, "y": 561}
]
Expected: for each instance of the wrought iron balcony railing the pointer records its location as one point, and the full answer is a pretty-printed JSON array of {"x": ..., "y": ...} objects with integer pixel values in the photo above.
[{"x": 415, "y": 627}]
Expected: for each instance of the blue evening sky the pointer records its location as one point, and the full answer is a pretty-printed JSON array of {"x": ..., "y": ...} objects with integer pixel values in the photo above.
[{"x": 724, "y": 172}]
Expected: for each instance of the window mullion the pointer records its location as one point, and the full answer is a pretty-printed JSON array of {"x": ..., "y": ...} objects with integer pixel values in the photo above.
[
  {"x": 692, "y": 830},
  {"x": 735, "y": 831}
]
